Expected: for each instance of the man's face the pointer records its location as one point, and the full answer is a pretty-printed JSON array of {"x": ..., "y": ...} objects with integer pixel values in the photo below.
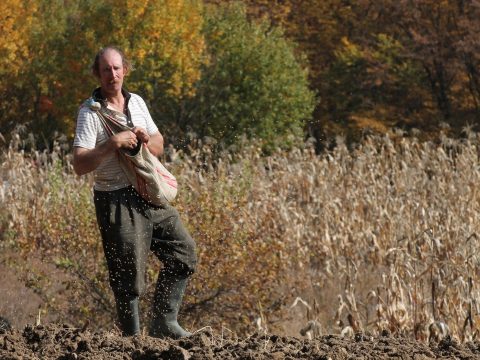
[{"x": 111, "y": 72}]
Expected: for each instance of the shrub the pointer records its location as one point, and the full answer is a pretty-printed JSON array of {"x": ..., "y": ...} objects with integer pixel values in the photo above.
[{"x": 253, "y": 83}]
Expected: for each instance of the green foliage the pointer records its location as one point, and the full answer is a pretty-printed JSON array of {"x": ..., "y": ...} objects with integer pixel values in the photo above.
[
  {"x": 367, "y": 80},
  {"x": 253, "y": 83}
]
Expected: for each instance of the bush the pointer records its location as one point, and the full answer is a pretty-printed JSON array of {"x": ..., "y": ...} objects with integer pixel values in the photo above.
[{"x": 252, "y": 83}]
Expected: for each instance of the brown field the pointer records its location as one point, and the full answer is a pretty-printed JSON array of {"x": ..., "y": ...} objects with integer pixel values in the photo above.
[{"x": 64, "y": 342}]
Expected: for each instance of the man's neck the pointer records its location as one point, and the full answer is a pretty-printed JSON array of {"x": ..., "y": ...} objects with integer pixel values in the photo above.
[{"x": 115, "y": 98}]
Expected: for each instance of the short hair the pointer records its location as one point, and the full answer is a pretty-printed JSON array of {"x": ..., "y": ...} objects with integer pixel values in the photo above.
[{"x": 127, "y": 64}]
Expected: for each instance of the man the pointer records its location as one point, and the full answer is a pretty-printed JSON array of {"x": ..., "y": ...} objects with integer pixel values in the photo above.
[{"x": 128, "y": 224}]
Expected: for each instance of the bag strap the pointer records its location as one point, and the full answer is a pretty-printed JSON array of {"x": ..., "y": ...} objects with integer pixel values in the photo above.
[
  {"x": 110, "y": 122},
  {"x": 109, "y": 117}
]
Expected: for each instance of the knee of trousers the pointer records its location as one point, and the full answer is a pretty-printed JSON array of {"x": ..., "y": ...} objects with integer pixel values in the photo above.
[
  {"x": 184, "y": 258},
  {"x": 185, "y": 264},
  {"x": 191, "y": 263},
  {"x": 182, "y": 263}
]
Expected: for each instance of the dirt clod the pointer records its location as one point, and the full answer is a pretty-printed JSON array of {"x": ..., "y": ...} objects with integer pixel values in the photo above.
[{"x": 64, "y": 342}]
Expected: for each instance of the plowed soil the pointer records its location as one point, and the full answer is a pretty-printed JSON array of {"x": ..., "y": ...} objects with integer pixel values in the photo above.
[{"x": 64, "y": 342}]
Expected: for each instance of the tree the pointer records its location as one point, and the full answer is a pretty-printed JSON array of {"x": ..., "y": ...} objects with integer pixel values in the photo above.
[
  {"x": 441, "y": 36},
  {"x": 468, "y": 46},
  {"x": 162, "y": 37},
  {"x": 274, "y": 11},
  {"x": 438, "y": 39},
  {"x": 15, "y": 23},
  {"x": 368, "y": 84},
  {"x": 253, "y": 83},
  {"x": 16, "y": 19}
]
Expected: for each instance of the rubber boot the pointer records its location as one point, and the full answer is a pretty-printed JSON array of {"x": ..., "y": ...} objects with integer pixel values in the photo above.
[
  {"x": 128, "y": 315},
  {"x": 166, "y": 303}
]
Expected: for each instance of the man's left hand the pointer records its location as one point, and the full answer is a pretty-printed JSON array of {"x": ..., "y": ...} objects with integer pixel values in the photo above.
[{"x": 141, "y": 134}]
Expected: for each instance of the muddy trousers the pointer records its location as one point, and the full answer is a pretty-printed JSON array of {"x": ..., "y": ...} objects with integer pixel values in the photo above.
[{"x": 130, "y": 228}]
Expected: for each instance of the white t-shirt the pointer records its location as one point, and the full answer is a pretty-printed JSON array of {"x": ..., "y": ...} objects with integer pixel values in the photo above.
[{"x": 89, "y": 133}]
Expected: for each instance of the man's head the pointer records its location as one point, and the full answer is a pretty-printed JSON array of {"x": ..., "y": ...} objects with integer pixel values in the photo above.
[{"x": 110, "y": 66}]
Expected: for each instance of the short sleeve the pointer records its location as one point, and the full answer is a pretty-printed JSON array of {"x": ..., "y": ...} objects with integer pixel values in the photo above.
[
  {"x": 151, "y": 127},
  {"x": 86, "y": 129}
]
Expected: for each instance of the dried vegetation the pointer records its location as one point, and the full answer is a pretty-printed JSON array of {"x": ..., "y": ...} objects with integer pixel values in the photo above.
[{"x": 383, "y": 237}]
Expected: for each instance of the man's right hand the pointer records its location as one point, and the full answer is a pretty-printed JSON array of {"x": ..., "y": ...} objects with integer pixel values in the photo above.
[{"x": 125, "y": 139}]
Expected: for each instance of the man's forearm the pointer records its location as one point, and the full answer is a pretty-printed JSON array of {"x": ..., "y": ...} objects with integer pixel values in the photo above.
[
  {"x": 87, "y": 160},
  {"x": 155, "y": 144}
]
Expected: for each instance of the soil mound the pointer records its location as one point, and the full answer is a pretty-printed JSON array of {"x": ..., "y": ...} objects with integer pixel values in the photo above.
[{"x": 64, "y": 342}]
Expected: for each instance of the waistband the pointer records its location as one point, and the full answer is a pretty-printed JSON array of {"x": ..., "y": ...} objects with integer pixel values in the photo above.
[{"x": 126, "y": 190}]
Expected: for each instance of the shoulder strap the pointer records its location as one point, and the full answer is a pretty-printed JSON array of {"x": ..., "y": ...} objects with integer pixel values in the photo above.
[{"x": 108, "y": 117}]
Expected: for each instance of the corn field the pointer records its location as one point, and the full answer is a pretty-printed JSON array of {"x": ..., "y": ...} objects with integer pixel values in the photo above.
[{"x": 381, "y": 237}]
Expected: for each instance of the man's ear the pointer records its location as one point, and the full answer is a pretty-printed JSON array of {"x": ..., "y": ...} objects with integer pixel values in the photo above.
[{"x": 125, "y": 70}]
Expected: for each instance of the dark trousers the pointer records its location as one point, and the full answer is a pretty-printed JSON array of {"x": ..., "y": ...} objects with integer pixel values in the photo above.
[{"x": 130, "y": 227}]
